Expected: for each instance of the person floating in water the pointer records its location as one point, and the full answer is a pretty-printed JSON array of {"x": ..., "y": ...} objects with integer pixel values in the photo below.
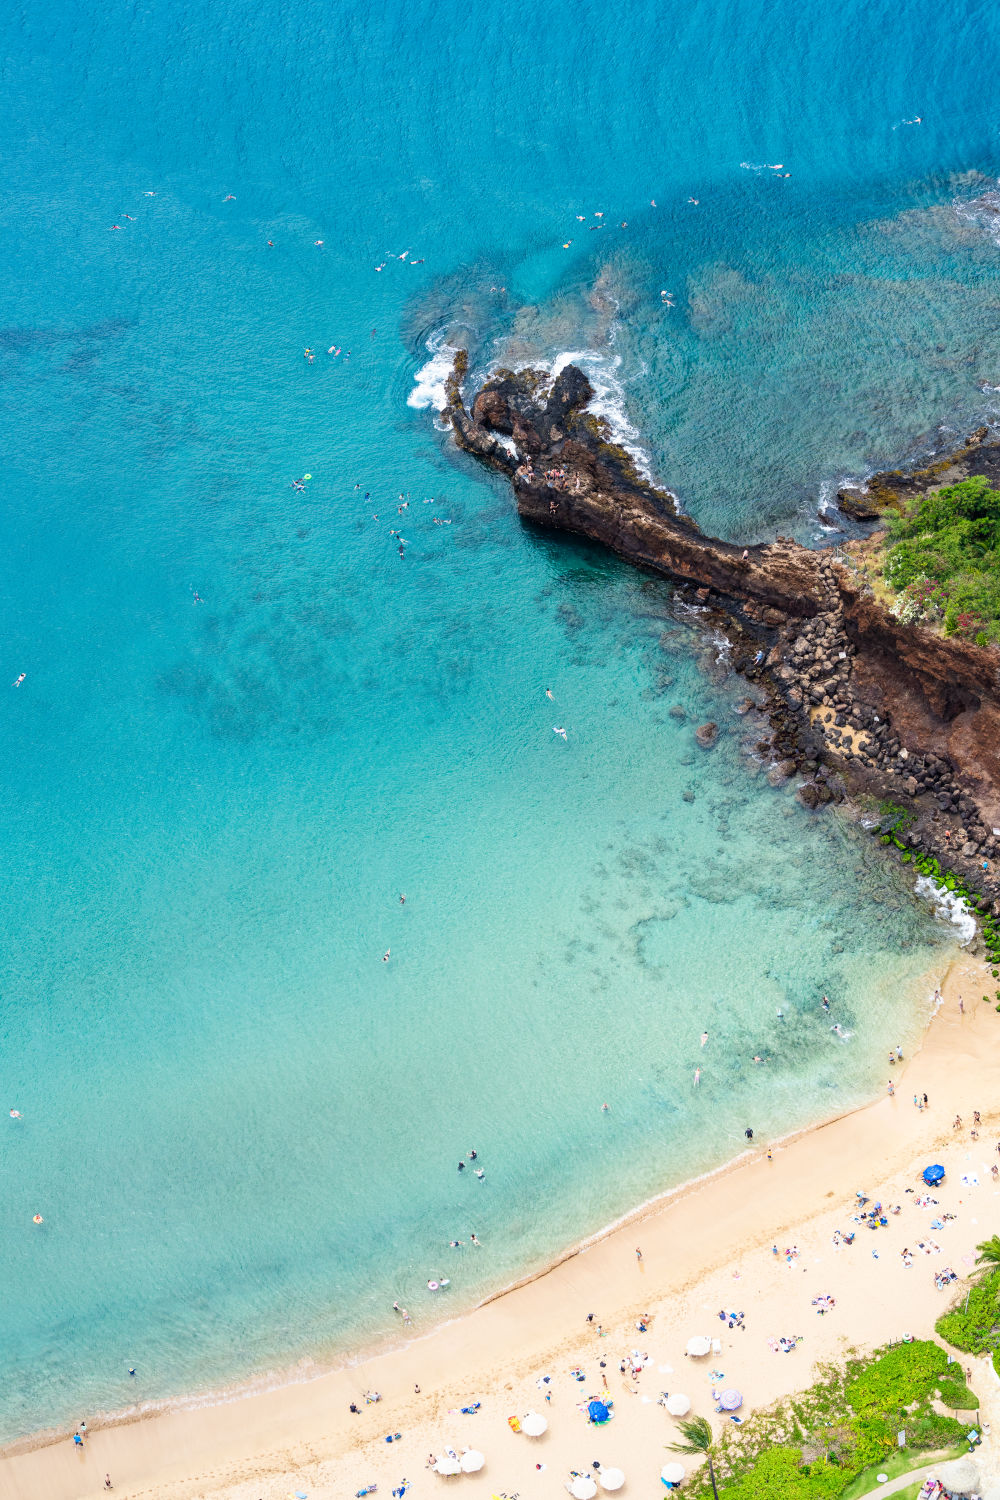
[
  {"x": 548, "y": 694},
  {"x": 385, "y": 955},
  {"x": 558, "y": 729},
  {"x": 18, "y": 680}
]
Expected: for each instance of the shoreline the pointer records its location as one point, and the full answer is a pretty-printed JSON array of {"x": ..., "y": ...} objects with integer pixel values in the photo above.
[
  {"x": 293, "y": 1375},
  {"x": 239, "y": 1427}
]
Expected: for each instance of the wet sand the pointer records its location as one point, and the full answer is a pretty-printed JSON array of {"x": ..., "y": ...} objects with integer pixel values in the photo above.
[{"x": 705, "y": 1248}]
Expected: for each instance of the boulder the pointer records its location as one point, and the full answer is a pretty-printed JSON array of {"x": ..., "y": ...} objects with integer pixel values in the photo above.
[{"x": 707, "y": 734}]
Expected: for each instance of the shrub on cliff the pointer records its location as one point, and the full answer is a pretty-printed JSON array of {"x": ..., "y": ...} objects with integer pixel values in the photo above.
[
  {"x": 974, "y": 1329},
  {"x": 943, "y": 560},
  {"x": 812, "y": 1445}
]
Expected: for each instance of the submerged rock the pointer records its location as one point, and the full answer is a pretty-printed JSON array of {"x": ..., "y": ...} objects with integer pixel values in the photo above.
[{"x": 707, "y": 734}]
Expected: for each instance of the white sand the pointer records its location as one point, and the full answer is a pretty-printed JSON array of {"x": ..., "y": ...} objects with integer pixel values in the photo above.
[{"x": 705, "y": 1249}]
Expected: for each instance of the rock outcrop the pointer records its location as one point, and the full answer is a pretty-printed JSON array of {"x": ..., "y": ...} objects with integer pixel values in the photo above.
[{"x": 856, "y": 700}]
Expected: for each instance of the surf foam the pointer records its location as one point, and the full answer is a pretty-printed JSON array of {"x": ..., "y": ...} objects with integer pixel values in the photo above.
[
  {"x": 950, "y": 907},
  {"x": 429, "y": 381}
]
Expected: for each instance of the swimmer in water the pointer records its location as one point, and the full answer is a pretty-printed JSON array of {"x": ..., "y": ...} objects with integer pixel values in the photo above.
[
  {"x": 556, "y": 729},
  {"x": 825, "y": 1005},
  {"x": 385, "y": 955},
  {"x": 196, "y": 597},
  {"x": 15, "y": 1114},
  {"x": 480, "y": 1174},
  {"x": 704, "y": 1038},
  {"x": 605, "y": 1108},
  {"x": 229, "y": 198},
  {"x": 474, "y": 1241},
  {"x": 548, "y": 694},
  {"x": 402, "y": 899},
  {"x": 37, "y": 1219},
  {"x": 17, "y": 682},
  {"x": 697, "y": 1077}
]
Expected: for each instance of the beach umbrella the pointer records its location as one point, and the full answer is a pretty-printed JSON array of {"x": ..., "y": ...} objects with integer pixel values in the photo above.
[
  {"x": 612, "y": 1479},
  {"x": 583, "y": 1488},
  {"x": 730, "y": 1401},
  {"x": 472, "y": 1461},
  {"x": 677, "y": 1405},
  {"x": 699, "y": 1345},
  {"x": 933, "y": 1175},
  {"x": 672, "y": 1473},
  {"x": 534, "y": 1424},
  {"x": 447, "y": 1465},
  {"x": 598, "y": 1412}
]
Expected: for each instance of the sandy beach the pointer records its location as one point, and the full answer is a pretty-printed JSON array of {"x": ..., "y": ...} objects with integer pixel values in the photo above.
[{"x": 708, "y": 1248}]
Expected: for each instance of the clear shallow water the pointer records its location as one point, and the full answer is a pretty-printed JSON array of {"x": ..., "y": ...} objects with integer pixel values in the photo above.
[{"x": 240, "y": 1125}]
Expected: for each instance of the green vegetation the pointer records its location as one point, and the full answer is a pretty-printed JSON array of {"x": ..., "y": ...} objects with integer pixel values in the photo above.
[
  {"x": 943, "y": 560},
  {"x": 820, "y": 1444},
  {"x": 976, "y": 1329},
  {"x": 895, "y": 819}
]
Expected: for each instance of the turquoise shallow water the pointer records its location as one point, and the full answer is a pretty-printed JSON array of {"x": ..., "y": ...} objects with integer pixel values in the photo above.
[{"x": 240, "y": 1125}]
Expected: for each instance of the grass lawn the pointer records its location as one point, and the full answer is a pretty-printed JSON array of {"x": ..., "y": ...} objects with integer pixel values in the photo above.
[{"x": 898, "y": 1463}]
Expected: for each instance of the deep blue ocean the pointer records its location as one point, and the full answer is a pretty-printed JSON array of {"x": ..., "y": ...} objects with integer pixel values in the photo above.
[{"x": 247, "y": 725}]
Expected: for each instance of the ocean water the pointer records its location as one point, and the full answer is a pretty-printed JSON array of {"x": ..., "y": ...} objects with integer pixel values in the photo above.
[{"x": 247, "y": 725}]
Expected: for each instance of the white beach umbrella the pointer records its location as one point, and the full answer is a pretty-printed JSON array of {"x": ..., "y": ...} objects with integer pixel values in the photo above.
[
  {"x": 583, "y": 1488},
  {"x": 677, "y": 1405},
  {"x": 447, "y": 1465},
  {"x": 472, "y": 1461},
  {"x": 699, "y": 1345},
  {"x": 672, "y": 1473},
  {"x": 612, "y": 1479},
  {"x": 534, "y": 1424}
]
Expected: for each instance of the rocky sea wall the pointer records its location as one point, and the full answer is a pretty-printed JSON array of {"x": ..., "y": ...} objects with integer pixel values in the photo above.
[{"x": 860, "y": 705}]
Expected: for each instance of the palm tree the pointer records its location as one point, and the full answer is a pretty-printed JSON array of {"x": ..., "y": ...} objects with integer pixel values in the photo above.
[
  {"x": 697, "y": 1435},
  {"x": 988, "y": 1258}
]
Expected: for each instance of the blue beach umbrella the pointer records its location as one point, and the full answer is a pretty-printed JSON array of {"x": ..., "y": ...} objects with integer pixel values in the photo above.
[
  {"x": 598, "y": 1412},
  {"x": 933, "y": 1175}
]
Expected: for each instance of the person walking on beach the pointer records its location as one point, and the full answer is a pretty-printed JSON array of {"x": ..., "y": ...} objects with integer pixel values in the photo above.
[
  {"x": 638, "y": 1253},
  {"x": 891, "y": 1088},
  {"x": 107, "y": 1482}
]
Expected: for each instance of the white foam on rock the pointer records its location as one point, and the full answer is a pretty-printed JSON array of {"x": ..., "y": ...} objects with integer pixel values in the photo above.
[
  {"x": 429, "y": 381},
  {"x": 608, "y": 401},
  {"x": 950, "y": 907}
]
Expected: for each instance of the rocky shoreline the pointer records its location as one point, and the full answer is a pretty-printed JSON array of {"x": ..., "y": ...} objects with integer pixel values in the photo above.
[{"x": 859, "y": 704}]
